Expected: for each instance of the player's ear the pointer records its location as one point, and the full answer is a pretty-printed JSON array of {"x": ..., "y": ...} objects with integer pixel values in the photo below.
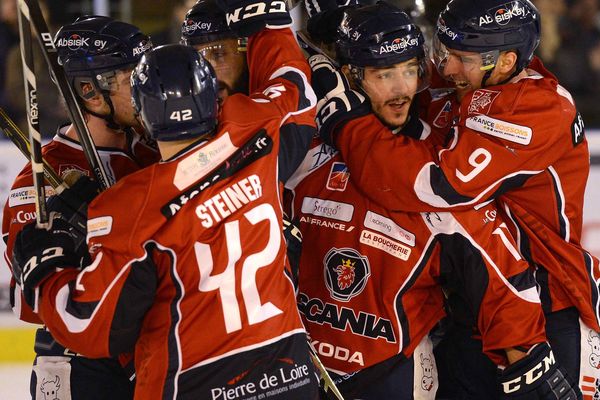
[{"x": 507, "y": 61}]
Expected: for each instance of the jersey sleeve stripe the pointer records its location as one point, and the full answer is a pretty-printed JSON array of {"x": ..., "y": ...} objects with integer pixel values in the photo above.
[{"x": 307, "y": 98}]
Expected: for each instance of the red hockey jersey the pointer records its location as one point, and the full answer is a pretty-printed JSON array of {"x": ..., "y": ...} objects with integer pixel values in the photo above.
[
  {"x": 64, "y": 155},
  {"x": 522, "y": 143},
  {"x": 189, "y": 256},
  {"x": 369, "y": 279}
]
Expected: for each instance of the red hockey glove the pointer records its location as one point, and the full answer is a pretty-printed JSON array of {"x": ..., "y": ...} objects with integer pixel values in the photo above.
[
  {"x": 537, "y": 376},
  {"x": 246, "y": 17},
  {"x": 38, "y": 252},
  {"x": 336, "y": 102}
]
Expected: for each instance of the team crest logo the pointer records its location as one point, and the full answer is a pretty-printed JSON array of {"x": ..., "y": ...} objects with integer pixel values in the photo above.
[
  {"x": 338, "y": 177},
  {"x": 443, "y": 118},
  {"x": 346, "y": 273},
  {"x": 482, "y": 100}
]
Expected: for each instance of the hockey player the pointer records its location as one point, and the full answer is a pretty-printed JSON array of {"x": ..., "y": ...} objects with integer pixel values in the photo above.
[
  {"x": 205, "y": 28},
  {"x": 98, "y": 55},
  {"x": 370, "y": 278},
  {"x": 191, "y": 268},
  {"x": 518, "y": 138}
]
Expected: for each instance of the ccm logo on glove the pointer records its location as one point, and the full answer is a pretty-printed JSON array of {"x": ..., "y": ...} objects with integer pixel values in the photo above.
[
  {"x": 46, "y": 255},
  {"x": 254, "y": 10},
  {"x": 530, "y": 376}
]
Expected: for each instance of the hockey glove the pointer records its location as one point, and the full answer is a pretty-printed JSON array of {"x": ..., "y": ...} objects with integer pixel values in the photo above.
[
  {"x": 246, "y": 17},
  {"x": 72, "y": 203},
  {"x": 322, "y": 26},
  {"x": 38, "y": 252},
  {"x": 537, "y": 376},
  {"x": 336, "y": 102}
]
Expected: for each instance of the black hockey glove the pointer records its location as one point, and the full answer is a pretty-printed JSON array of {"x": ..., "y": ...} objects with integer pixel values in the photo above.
[
  {"x": 537, "y": 376},
  {"x": 72, "y": 203},
  {"x": 246, "y": 17},
  {"x": 38, "y": 252},
  {"x": 322, "y": 26},
  {"x": 336, "y": 102}
]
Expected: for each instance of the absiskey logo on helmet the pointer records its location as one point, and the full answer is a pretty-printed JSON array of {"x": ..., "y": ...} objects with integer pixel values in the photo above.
[
  {"x": 190, "y": 26},
  {"x": 73, "y": 42},
  {"x": 76, "y": 41},
  {"x": 504, "y": 14},
  {"x": 142, "y": 47},
  {"x": 441, "y": 26},
  {"x": 399, "y": 45}
]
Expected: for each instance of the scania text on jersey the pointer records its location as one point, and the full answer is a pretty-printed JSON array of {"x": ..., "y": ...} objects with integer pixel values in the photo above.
[{"x": 342, "y": 318}]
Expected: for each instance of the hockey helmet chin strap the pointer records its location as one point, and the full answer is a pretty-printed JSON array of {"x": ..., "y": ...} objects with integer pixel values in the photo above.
[{"x": 489, "y": 64}]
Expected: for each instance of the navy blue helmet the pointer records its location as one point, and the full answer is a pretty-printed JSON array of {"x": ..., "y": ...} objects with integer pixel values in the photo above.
[
  {"x": 204, "y": 23},
  {"x": 175, "y": 92},
  {"x": 92, "y": 50},
  {"x": 93, "y": 45},
  {"x": 378, "y": 35},
  {"x": 490, "y": 26}
]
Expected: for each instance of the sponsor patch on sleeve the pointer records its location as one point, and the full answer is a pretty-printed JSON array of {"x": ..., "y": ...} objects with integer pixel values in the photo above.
[
  {"x": 577, "y": 130},
  {"x": 99, "y": 226},
  {"x": 500, "y": 129}
]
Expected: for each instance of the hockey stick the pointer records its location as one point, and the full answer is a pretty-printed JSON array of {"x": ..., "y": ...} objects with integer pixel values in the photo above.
[
  {"x": 12, "y": 131},
  {"x": 31, "y": 10},
  {"x": 324, "y": 375},
  {"x": 33, "y": 122}
]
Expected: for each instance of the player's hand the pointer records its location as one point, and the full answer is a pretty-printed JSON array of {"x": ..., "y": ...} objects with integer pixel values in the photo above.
[
  {"x": 246, "y": 17},
  {"x": 336, "y": 102},
  {"x": 38, "y": 252},
  {"x": 537, "y": 376},
  {"x": 72, "y": 203}
]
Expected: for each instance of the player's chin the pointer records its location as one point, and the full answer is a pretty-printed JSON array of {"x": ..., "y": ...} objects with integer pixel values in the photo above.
[{"x": 394, "y": 117}]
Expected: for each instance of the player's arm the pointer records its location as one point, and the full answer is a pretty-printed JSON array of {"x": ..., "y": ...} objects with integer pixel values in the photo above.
[
  {"x": 92, "y": 304},
  {"x": 19, "y": 210},
  {"x": 278, "y": 73},
  {"x": 500, "y": 291}
]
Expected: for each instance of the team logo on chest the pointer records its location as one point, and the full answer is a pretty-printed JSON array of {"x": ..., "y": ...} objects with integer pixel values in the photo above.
[
  {"x": 338, "y": 177},
  {"x": 346, "y": 273},
  {"x": 482, "y": 100}
]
